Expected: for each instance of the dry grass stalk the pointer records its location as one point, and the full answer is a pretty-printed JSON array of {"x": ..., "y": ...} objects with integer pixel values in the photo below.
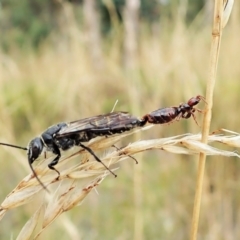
[
  {"x": 71, "y": 191},
  {"x": 214, "y": 55}
]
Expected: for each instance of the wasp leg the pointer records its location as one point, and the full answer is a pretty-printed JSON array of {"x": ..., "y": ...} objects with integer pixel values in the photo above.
[
  {"x": 96, "y": 158},
  {"x": 125, "y": 154},
  {"x": 55, "y": 160}
]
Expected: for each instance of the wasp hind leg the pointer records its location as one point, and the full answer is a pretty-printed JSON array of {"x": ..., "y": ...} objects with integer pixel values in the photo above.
[
  {"x": 96, "y": 158},
  {"x": 125, "y": 154}
]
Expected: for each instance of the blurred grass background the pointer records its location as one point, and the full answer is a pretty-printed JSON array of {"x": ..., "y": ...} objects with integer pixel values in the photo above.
[{"x": 60, "y": 62}]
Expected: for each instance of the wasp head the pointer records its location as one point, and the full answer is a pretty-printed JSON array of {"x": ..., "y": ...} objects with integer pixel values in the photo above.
[{"x": 35, "y": 148}]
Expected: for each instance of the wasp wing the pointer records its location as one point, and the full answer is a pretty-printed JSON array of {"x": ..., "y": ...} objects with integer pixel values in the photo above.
[{"x": 106, "y": 124}]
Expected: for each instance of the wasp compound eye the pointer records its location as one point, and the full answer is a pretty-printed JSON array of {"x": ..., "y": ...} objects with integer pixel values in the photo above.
[{"x": 35, "y": 149}]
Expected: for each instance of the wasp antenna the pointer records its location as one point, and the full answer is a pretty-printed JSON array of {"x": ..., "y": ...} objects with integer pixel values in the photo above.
[
  {"x": 36, "y": 176},
  {"x": 14, "y": 146},
  {"x": 34, "y": 173}
]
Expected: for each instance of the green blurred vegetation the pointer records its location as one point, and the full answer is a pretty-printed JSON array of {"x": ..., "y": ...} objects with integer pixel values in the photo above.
[
  {"x": 58, "y": 81},
  {"x": 28, "y": 23}
]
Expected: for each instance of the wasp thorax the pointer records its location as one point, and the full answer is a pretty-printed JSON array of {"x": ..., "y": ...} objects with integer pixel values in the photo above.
[
  {"x": 184, "y": 107},
  {"x": 35, "y": 148}
]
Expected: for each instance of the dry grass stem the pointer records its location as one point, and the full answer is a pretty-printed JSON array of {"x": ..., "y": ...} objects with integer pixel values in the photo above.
[
  {"x": 72, "y": 190},
  {"x": 214, "y": 55}
]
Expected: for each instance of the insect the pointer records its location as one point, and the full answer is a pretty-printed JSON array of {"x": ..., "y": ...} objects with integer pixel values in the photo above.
[
  {"x": 64, "y": 136},
  {"x": 168, "y": 115}
]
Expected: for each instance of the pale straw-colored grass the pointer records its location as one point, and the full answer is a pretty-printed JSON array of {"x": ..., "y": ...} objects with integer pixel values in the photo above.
[
  {"x": 172, "y": 72},
  {"x": 220, "y": 17},
  {"x": 72, "y": 189}
]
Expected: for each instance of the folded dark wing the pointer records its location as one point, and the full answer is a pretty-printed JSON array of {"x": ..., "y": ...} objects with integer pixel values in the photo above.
[{"x": 106, "y": 124}]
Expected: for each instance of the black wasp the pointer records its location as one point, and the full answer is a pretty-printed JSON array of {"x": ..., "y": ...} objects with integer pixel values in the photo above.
[{"x": 64, "y": 136}]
